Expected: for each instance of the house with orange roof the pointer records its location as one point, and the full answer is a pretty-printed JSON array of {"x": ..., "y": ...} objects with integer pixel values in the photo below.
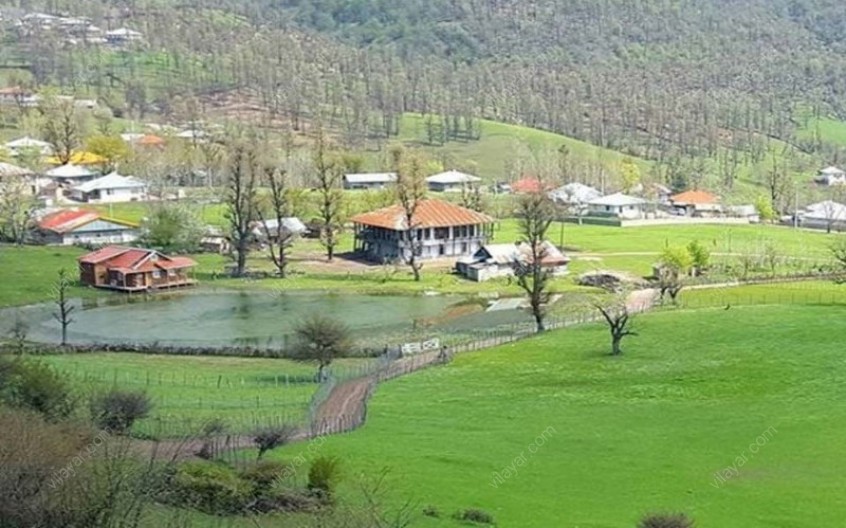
[
  {"x": 438, "y": 229},
  {"x": 67, "y": 227},
  {"x": 132, "y": 269},
  {"x": 696, "y": 203},
  {"x": 529, "y": 185}
]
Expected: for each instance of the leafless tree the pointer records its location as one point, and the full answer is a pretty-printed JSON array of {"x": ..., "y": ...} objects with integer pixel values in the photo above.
[
  {"x": 278, "y": 238},
  {"x": 411, "y": 191},
  {"x": 64, "y": 308},
  {"x": 618, "y": 318},
  {"x": 241, "y": 201},
  {"x": 329, "y": 172},
  {"x": 61, "y": 127},
  {"x": 536, "y": 212}
]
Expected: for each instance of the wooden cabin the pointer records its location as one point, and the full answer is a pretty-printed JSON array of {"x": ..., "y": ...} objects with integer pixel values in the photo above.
[{"x": 134, "y": 269}]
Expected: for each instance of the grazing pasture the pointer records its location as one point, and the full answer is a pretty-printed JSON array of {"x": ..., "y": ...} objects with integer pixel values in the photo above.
[{"x": 735, "y": 417}]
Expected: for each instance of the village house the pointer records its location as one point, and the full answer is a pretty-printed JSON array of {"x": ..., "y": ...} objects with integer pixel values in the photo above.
[
  {"x": 618, "y": 205},
  {"x": 111, "y": 188},
  {"x": 291, "y": 224},
  {"x": 68, "y": 227},
  {"x": 451, "y": 181},
  {"x": 574, "y": 194},
  {"x": 441, "y": 229},
  {"x": 696, "y": 203},
  {"x": 529, "y": 185},
  {"x": 134, "y": 269},
  {"x": 831, "y": 176},
  {"x": 70, "y": 174},
  {"x": 14, "y": 175},
  {"x": 369, "y": 180},
  {"x": 498, "y": 260},
  {"x": 121, "y": 36},
  {"x": 26, "y": 144},
  {"x": 828, "y": 215}
]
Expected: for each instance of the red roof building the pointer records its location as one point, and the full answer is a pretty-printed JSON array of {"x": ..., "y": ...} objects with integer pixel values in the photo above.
[
  {"x": 529, "y": 185},
  {"x": 438, "y": 229},
  {"x": 696, "y": 203},
  {"x": 134, "y": 269},
  {"x": 82, "y": 226}
]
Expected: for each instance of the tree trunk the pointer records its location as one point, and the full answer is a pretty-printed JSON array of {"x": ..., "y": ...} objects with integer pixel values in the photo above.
[
  {"x": 330, "y": 252},
  {"x": 64, "y": 333},
  {"x": 242, "y": 260},
  {"x": 615, "y": 345},
  {"x": 541, "y": 327}
]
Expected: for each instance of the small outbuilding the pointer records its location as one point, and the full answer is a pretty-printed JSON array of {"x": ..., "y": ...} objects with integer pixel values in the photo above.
[
  {"x": 618, "y": 205},
  {"x": 831, "y": 176},
  {"x": 369, "y": 180},
  {"x": 451, "y": 181},
  {"x": 696, "y": 203},
  {"x": 499, "y": 260},
  {"x": 134, "y": 269}
]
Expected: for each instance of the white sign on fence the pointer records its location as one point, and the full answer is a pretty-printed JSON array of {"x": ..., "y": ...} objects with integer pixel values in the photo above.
[{"x": 424, "y": 346}]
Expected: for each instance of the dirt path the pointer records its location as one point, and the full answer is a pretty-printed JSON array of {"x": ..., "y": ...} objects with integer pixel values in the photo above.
[{"x": 345, "y": 408}]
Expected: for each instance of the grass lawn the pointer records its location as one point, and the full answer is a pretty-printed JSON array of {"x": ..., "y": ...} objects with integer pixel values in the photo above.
[
  {"x": 605, "y": 440},
  {"x": 189, "y": 391}
]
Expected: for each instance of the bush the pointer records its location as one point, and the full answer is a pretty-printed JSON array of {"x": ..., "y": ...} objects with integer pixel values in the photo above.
[
  {"x": 431, "y": 511},
  {"x": 323, "y": 476},
  {"x": 117, "y": 410},
  {"x": 211, "y": 488},
  {"x": 475, "y": 516},
  {"x": 35, "y": 386},
  {"x": 273, "y": 437},
  {"x": 666, "y": 520},
  {"x": 264, "y": 474}
]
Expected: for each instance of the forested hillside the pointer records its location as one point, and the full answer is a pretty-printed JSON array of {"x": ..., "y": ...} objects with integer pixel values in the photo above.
[{"x": 676, "y": 81}]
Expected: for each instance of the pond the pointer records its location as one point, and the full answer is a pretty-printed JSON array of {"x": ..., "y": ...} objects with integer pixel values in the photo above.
[{"x": 263, "y": 319}]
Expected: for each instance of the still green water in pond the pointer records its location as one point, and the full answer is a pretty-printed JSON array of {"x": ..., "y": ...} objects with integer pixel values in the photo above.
[{"x": 240, "y": 318}]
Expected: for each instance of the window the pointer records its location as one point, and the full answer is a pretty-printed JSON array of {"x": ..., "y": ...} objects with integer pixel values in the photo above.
[
  {"x": 171, "y": 273},
  {"x": 157, "y": 274}
]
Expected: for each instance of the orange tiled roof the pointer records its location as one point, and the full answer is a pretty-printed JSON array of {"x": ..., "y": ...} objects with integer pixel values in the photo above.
[
  {"x": 695, "y": 197},
  {"x": 528, "y": 185},
  {"x": 67, "y": 220},
  {"x": 430, "y": 213},
  {"x": 126, "y": 259},
  {"x": 151, "y": 140}
]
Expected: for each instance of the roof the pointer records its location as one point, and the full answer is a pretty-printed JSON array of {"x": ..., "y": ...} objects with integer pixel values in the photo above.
[
  {"x": 826, "y": 210},
  {"x": 694, "y": 197},
  {"x": 66, "y": 220},
  {"x": 7, "y": 169},
  {"x": 69, "y": 171},
  {"x": 132, "y": 260},
  {"x": 123, "y": 32},
  {"x": 575, "y": 193},
  {"x": 452, "y": 177},
  {"x": 79, "y": 157},
  {"x": 371, "y": 177},
  {"x": 151, "y": 140},
  {"x": 27, "y": 142},
  {"x": 430, "y": 213},
  {"x": 110, "y": 181},
  {"x": 617, "y": 200},
  {"x": 505, "y": 254},
  {"x": 832, "y": 171},
  {"x": 291, "y": 224},
  {"x": 529, "y": 184}
]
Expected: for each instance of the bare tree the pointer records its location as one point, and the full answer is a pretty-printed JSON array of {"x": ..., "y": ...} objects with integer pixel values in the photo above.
[
  {"x": 61, "y": 126},
  {"x": 17, "y": 204},
  {"x": 64, "y": 308},
  {"x": 411, "y": 191},
  {"x": 278, "y": 237},
  {"x": 329, "y": 172},
  {"x": 472, "y": 198},
  {"x": 618, "y": 318},
  {"x": 536, "y": 213},
  {"x": 241, "y": 199}
]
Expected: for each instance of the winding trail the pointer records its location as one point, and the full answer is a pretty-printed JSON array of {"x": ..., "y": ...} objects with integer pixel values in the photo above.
[{"x": 345, "y": 408}]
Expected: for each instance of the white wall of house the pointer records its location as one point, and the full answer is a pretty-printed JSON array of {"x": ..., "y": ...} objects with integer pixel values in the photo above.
[
  {"x": 132, "y": 194},
  {"x": 629, "y": 212}
]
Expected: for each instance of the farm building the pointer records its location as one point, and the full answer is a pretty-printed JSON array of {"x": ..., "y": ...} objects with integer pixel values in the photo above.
[
  {"x": 370, "y": 180},
  {"x": 291, "y": 224},
  {"x": 451, "y": 181},
  {"x": 70, "y": 174},
  {"x": 618, "y": 205},
  {"x": 498, "y": 260},
  {"x": 696, "y": 203},
  {"x": 134, "y": 269},
  {"x": 67, "y": 227},
  {"x": 828, "y": 215},
  {"x": 831, "y": 176},
  {"x": 443, "y": 229},
  {"x": 111, "y": 188}
]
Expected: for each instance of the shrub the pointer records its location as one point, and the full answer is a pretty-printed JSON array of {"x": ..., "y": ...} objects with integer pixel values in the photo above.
[
  {"x": 666, "y": 520},
  {"x": 36, "y": 386},
  {"x": 264, "y": 474},
  {"x": 323, "y": 475},
  {"x": 431, "y": 511},
  {"x": 273, "y": 437},
  {"x": 117, "y": 410},
  {"x": 211, "y": 488},
  {"x": 475, "y": 516}
]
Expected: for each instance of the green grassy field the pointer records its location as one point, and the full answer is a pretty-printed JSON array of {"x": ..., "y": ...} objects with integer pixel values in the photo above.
[
  {"x": 734, "y": 417},
  {"x": 187, "y": 392}
]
